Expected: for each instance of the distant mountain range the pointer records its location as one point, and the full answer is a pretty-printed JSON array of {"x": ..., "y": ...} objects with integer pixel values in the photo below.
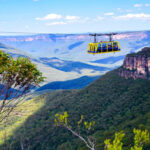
[
  {"x": 78, "y": 83},
  {"x": 73, "y": 47},
  {"x": 64, "y": 57}
]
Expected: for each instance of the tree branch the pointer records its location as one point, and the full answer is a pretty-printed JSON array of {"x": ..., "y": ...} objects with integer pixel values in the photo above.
[{"x": 89, "y": 145}]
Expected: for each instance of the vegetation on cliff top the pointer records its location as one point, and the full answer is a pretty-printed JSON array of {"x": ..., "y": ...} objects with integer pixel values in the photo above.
[{"x": 144, "y": 52}]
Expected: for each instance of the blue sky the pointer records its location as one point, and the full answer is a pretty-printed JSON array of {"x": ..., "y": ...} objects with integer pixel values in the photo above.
[{"x": 74, "y": 16}]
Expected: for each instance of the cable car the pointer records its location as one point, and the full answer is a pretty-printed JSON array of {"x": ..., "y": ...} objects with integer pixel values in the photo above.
[{"x": 103, "y": 46}]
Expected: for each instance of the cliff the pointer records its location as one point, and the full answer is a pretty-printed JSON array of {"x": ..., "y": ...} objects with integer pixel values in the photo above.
[{"x": 136, "y": 65}]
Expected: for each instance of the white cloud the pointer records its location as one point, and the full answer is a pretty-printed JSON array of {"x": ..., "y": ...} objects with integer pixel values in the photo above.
[
  {"x": 133, "y": 16},
  {"x": 147, "y": 5},
  {"x": 68, "y": 19},
  {"x": 109, "y": 14},
  {"x": 72, "y": 17},
  {"x": 55, "y": 23},
  {"x": 50, "y": 17},
  {"x": 137, "y": 5}
]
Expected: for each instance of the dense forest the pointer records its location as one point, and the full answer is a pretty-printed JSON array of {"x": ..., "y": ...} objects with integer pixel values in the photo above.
[{"x": 113, "y": 102}]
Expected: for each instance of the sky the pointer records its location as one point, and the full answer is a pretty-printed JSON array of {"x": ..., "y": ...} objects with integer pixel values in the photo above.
[{"x": 74, "y": 16}]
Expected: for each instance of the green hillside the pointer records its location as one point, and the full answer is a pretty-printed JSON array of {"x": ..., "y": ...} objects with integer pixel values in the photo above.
[{"x": 113, "y": 102}]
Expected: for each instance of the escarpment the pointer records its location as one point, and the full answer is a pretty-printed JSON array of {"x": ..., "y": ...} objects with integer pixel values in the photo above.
[{"x": 136, "y": 65}]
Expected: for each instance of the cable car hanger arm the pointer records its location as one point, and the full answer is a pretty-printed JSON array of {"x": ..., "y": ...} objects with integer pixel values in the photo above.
[{"x": 99, "y": 34}]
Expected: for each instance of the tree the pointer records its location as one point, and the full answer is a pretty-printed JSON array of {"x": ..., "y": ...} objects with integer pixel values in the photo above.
[
  {"x": 62, "y": 120},
  {"x": 17, "y": 78},
  {"x": 140, "y": 138},
  {"x": 117, "y": 142}
]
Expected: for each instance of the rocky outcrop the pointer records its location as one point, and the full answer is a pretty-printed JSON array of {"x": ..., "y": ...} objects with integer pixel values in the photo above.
[{"x": 136, "y": 65}]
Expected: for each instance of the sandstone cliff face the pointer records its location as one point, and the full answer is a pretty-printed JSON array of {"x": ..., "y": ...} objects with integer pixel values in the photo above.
[{"x": 137, "y": 65}]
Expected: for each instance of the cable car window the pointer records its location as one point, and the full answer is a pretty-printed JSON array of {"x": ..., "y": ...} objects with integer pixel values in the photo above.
[
  {"x": 109, "y": 47},
  {"x": 92, "y": 47},
  {"x": 99, "y": 48},
  {"x": 115, "y": 46},
  {"x": 104, "y": 47},
  {"x": 89, "y": 49},
  {"x": 96, "y": 47}
]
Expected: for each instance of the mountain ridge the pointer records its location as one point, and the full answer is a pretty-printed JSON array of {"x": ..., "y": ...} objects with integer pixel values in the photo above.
[{"x": 78, "y": 83}]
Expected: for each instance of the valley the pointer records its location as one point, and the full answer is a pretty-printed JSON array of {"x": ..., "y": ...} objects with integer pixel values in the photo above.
[
  {"x": 66, "y": 54},
  {"x": 113, "y": 102}
]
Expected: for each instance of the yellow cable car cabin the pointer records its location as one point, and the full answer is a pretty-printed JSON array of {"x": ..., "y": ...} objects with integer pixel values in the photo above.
[{"x": 103, "y": 47}]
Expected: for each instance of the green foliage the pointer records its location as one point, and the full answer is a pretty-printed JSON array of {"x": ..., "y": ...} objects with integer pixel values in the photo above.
[
  {"x": 4, "y": 61},
  {"x": 117, "y": 142},
  {"x": 18, "y": 73},
  {"x": 24, "y": 72},
  {"x": 80, "y": 121},
  {"x": 140, "y": 138},
  {"x": 89, "y": 125},
  {"x": 61, "y": 119}
]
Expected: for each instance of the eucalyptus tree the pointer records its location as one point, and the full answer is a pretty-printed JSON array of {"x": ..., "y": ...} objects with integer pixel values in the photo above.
[{"x": 17, "y": 77}]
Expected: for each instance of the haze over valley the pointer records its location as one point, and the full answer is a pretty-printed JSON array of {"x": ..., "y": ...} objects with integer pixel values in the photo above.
[{"x": 64, "y": 57}]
